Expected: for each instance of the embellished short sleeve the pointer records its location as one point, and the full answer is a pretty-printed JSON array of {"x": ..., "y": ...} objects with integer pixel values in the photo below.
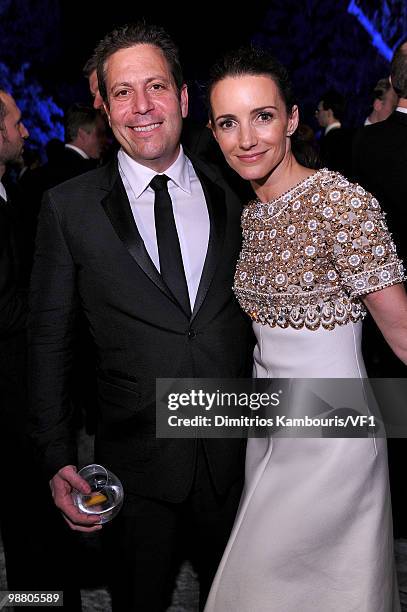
[{"x": 363, "y": 251}]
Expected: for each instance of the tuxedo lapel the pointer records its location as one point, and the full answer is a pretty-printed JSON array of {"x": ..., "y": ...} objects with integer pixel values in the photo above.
[
  {"x": 117, "y": 208},
  {"x": 215, "y": 200}
]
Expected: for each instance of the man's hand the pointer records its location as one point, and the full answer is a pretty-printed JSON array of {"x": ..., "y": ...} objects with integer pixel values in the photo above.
[{"x": 61, "y": 485}]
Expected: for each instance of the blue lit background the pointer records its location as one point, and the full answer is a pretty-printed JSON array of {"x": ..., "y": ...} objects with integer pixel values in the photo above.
[{"x": 324, "y": 43}]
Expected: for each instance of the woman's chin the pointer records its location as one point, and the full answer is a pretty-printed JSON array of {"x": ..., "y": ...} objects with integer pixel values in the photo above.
[{"x": 249, "y": 174}]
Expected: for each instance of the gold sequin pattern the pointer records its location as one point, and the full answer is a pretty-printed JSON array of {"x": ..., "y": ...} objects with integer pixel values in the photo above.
[{"x": 309, "y": 255}]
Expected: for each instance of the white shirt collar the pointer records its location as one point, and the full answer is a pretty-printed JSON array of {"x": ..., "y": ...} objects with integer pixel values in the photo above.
[
  {"x": 367, "y": 121},
  {"x": 3, "y": 193},
  {"x": 333, "y": 126},
  {"x": 78, "y": 150},
  {"x": 140, "y": 176},
  {"x": 401, "y": 109}
]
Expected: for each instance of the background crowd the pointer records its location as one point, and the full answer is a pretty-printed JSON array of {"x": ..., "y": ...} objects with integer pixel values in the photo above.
[{"x": 369, "y": 148}]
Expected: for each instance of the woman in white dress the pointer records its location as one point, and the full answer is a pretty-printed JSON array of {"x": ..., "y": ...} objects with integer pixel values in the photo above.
[{"x": 313, "y": 532}]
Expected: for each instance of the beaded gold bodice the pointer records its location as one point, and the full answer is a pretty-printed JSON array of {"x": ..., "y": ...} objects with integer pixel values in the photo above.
[{"x": 309, "y": 255}]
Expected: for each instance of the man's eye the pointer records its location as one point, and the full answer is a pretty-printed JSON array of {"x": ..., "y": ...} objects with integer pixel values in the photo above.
[
  {"x": 120, "y": 93},
  {"x": 157, "y": 86}
]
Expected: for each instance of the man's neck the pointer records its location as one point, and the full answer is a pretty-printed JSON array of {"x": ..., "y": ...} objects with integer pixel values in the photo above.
[
  {"x": 402, "y": 102},
  {"x": 373, "y": 117},
  {"x": 333, "y": 125},
  {"x": 73, "y": 146}
]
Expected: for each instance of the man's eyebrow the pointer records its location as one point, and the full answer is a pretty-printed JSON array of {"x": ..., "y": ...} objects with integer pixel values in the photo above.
[{"x": 158, "y": 77}]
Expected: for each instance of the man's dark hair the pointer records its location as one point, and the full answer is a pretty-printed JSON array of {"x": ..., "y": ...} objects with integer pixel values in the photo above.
[
  {"x": 398, "y": 70},
  {"x": 79, "y": 116},
  {"x": 131, "y": 35},
  {"x": 252, "y": 61},
  {"x": 90, "y": 66},
  {"x": 335, "y": 101}
]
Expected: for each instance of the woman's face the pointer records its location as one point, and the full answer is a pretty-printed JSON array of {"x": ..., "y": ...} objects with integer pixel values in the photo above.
[{"x": 251, "y": 125}]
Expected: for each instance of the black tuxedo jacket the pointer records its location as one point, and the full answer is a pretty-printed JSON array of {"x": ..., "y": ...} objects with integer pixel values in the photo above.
[
  {"x": 335, "y": 150},
  {"x": 13, "y": 305},
  {"x": 13, "y": 315},
  {"x": 66, "y": 165},
  {"x": 90, "y": 257},
  {"x": 379, "y": 163},
  {"x": 34, "y": 183}
]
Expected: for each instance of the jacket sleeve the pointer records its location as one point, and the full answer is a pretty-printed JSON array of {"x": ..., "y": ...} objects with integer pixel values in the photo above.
[
  {"x": 53, "y": 306},
  {"x": 13, "y": 307}
]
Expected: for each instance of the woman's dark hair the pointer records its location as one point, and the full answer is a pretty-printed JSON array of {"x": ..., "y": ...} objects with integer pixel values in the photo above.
[
  {"x": 259, "y": 62},
  {"x": 251, "y": 61}
]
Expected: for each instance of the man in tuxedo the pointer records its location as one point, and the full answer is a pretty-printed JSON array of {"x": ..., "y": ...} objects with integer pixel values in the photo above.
[
  {"x": 85, "y": 140},
  {"x": 379, "y": 164},
  {"x": 13, "y": 313},
  {"x": 384, "y": 102},
  {"x": 335, "y": 143},
  {"x": 379, "y": 155},
  {"x": 146, "y": 247},
  {"x": 30, "y": 528}
]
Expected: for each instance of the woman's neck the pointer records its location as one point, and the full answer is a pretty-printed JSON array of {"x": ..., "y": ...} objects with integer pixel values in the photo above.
[{"x": 282, "y": 178}]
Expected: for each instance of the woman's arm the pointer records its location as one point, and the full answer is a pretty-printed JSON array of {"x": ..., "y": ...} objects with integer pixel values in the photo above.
[{"x": 388, "y": 307}]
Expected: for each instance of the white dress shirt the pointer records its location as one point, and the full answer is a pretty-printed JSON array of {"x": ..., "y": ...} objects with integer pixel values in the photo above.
[
  {"x": 78, "y": 150},
  {"x": 401, "y": 109},
  {"x": 189, "y": 206},
  {"x": 332, "y": 126},
  {"x": 3, "y": 193}
]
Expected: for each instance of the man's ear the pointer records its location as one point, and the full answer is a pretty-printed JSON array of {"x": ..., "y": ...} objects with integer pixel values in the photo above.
[
  {"x": 293, "y": 120},
  {"x": 82, "y": 134},
  {"x": 107, "y": 111},
  {"x": 377, "y": 105},
  {"x": 183, "y": 96}
]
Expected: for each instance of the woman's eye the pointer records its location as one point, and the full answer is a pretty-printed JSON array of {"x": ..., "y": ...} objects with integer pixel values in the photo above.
[
  {"x": 265, "y": 116},
  {"x": 226, "y": 124}
]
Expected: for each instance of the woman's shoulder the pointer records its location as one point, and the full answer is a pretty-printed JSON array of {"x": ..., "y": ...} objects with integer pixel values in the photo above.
[{"x": 341, "y": 193}]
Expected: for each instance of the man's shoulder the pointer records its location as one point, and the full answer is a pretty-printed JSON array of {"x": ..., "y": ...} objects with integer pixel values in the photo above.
[
  {"x": 210, "y": 170},
  {"x": 233, "y": 186},
  {"x": 94, "y": 181},
  {"x": 393, "y": 125}
]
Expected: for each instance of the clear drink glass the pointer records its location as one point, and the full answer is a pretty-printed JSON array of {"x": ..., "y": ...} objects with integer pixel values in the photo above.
[{"x": 106, "y": 496}]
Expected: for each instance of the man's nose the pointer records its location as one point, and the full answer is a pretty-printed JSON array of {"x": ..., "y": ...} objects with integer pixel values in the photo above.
[
  {"x": 23, "y": 131},
  {"x": 142, "y": 102}
]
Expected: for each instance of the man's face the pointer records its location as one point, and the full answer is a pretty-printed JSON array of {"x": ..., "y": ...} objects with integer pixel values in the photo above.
[
  {"x": 94, "y": 90},
  {"x": 145, "y": 109},
  {"x": 13, "y": 134},
  {"x": 386, "y": 105},
  {"x": 94, "y": 143},
  {"x": 322, "y": 115}
]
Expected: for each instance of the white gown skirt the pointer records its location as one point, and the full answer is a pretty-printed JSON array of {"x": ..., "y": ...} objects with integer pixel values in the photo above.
[{"x": 314, "y": 531}]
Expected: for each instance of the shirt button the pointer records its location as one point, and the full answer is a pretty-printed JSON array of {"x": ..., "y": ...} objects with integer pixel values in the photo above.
[{"x": 191, "y": 334}]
